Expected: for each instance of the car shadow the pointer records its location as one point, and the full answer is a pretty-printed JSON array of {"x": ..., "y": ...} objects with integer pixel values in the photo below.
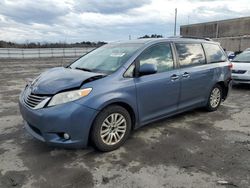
[
  {"x": 179, "y": 117},
  {"x": 241, "y": 86}
]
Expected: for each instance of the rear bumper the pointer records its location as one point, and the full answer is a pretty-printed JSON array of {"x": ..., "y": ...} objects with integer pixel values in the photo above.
[{"x": 49, "y": 124}]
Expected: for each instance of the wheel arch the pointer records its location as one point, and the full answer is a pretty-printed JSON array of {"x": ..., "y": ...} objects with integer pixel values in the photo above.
[
  {"x": 225, "y": 89},
  {"x": 128, "y": 107}
]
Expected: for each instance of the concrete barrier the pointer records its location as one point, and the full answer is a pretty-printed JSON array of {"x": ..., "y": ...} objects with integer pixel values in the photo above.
[{"x": 235, "y": 44}]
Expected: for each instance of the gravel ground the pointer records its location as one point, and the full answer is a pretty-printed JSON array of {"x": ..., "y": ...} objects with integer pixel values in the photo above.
[{"x": 193, "y": 149}]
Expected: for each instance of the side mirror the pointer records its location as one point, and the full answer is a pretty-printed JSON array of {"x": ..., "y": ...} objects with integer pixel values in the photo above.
[{"x": 147, "y": 69}]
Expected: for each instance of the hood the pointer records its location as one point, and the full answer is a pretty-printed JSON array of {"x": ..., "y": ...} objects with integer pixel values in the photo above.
[
  {"x": 241, "y": 66},
  {"x": 60, "y": 79}
]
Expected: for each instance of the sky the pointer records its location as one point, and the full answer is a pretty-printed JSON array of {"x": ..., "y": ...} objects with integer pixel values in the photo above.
[{"x": 107, "y": 20}]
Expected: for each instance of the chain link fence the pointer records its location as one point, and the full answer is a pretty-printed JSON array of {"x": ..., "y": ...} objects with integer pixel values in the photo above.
[{"x": 24, "y": 53}]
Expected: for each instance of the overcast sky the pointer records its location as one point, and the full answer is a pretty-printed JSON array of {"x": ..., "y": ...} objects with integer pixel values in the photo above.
[{"x": 106, "y": 20}]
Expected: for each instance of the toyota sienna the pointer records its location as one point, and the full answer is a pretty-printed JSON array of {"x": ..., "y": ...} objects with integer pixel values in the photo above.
[{"x": 104, "y": 95}]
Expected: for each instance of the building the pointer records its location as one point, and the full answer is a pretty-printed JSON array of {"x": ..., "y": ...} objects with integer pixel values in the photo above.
[{"x": 233, "y": 34}]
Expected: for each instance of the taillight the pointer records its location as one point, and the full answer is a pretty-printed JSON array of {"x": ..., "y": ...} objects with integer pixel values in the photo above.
[{"x": 230, "y": 65}]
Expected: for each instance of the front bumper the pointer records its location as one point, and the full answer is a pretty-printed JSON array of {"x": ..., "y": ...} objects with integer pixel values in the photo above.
[{"x": 49, "y": 124}]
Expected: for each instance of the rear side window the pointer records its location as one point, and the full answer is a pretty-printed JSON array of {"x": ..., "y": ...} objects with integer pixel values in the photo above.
[
  {"x": 190, "y": 54},
  {"x": 160, "y": 55},
  {"x": 214, "y": 53}
]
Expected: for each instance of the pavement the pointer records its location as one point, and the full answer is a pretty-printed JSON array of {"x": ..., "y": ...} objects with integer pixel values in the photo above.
[{"x": 192, "y": 149}]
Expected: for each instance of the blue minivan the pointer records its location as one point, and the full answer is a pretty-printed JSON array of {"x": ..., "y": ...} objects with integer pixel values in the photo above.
[{"x": 104, "y": 95}]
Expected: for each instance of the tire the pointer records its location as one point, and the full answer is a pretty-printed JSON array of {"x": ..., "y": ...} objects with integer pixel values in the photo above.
[
  {"x": 105, "y": 134},
  {"x": 214, "y": 99}
]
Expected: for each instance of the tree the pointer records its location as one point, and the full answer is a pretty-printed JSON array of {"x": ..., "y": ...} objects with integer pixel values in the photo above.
[
  {"x": 27, "y": 44},
  {"x": 152, "y": 36}
]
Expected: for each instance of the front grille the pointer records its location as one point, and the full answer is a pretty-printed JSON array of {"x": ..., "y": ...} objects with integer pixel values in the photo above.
[
  {"x": 239, "y": 71},
  {"x": 33, "y": 100}
]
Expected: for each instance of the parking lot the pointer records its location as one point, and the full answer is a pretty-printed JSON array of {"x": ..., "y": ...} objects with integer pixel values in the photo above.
[{"x": 193, "y": 149}]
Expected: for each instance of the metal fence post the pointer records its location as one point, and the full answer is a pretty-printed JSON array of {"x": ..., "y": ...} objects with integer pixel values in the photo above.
[
  {"x": 8, "y": 52},
  {"x": 51, "y": 52}
]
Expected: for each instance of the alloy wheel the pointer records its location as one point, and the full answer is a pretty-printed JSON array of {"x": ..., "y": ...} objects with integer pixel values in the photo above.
[
  {"x": 113, "y": 128},
  {"x": 215, "y": 97}
]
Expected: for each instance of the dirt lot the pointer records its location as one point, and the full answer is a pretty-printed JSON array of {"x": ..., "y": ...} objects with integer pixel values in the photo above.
[{"x": 194, "y": 149}]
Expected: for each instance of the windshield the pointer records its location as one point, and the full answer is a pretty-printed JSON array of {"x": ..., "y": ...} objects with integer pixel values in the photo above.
[
  {"x": 243, "y": 57},
  {"x": 106, "y": 59}
]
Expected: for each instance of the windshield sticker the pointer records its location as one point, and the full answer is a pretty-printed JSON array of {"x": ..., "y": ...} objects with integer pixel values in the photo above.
[{"x": 117, "y": 54}]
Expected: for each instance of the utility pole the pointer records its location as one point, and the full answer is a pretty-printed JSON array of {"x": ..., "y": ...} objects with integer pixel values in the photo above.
[
  {"x": 175, "y": 20},
  {"x": 129, "y": 37}
]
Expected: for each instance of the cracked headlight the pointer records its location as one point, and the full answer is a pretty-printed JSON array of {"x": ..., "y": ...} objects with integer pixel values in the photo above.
[{"x": 69, "y": 96}]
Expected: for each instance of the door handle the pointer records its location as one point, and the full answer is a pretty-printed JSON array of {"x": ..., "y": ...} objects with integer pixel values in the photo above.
[
  {"x": 174, "y": 77},
  {"x": 186, "y": 75}
]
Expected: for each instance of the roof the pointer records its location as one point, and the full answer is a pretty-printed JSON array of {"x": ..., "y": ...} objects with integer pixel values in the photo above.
[{"x": 169, "y": 39}]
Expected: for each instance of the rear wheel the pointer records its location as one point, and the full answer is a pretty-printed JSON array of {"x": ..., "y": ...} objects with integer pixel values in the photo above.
[
  {"x": 111, "y": 128},
  {"x": 215, "y": 98}
]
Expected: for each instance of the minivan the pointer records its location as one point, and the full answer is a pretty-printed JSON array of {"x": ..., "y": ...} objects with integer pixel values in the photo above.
[{"x": 104, "y": 95}]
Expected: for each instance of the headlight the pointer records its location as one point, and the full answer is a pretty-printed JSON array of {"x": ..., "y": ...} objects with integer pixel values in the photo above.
[{"x": 68, "y": 96}]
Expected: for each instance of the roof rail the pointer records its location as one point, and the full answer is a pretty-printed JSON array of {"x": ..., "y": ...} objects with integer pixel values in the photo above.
[{"x": 192, "y": 37}]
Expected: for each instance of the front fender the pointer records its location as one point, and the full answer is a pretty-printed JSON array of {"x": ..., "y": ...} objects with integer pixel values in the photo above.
[
  {"x": 125, "y": 104},
  {"x": 106, "y": 100},
  {"x": 125, "y": 95}
]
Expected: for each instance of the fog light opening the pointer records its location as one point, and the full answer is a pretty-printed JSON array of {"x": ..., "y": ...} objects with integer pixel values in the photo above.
[{"x": 66, "y": 136}]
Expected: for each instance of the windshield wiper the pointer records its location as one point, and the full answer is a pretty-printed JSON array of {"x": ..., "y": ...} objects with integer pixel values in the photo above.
[{"x": 83, "y": 69}]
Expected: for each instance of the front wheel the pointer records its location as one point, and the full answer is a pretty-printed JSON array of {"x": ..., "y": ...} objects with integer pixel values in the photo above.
[
  {"x": 111, "y": 128},
  {"x": 214, "y": 99}
]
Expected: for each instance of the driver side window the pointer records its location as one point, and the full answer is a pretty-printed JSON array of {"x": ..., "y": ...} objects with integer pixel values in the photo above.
[{"x": 160, "y": 55}]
